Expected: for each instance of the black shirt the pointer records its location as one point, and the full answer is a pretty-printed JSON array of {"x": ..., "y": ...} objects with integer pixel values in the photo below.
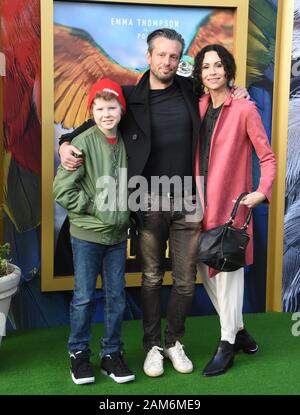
[
  {"x": 207, "y": 128},
  {"x": 171, "y": 135}
]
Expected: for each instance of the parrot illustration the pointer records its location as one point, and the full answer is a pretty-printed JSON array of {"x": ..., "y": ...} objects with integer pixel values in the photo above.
[
  {"x": 20, "y": 30},
  {"x": 291, "y": 250},
  {"x": 79, "y": 62}
]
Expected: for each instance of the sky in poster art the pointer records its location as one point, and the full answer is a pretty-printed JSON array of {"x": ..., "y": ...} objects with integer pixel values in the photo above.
[{"x": 121, "y": 29}]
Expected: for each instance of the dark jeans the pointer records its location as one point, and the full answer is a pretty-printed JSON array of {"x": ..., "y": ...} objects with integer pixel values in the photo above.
[
  {"x": 90, "y": 259},
  {"x": 183, "y": 235}
]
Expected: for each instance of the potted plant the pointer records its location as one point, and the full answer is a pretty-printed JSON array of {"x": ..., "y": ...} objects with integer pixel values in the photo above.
[{"x": 9, "y": 280}]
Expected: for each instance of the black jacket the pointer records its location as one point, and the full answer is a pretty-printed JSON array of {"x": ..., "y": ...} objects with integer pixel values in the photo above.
[{"x": 135, "y": 125}]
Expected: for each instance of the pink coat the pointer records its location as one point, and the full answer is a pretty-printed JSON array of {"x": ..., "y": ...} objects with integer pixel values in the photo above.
[{"x": 239, "y": 128}]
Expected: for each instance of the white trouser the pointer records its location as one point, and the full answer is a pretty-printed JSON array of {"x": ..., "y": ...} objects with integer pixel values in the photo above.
[{"x": 226, "y": 291}]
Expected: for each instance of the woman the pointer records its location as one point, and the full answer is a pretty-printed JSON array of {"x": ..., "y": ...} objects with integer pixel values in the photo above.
[{"x": 230, "y": 129}]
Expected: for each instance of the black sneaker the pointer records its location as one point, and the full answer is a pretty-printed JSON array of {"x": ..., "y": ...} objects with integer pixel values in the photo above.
[
  {"x": 113, "y": 365},
  {"x": 81, "y": 368},
  {"x": 244, "y": 341}
]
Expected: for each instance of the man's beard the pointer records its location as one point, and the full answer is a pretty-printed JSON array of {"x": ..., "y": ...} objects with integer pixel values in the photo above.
[
  {"x": 164, "y": 79},
  {"x": 168, "y": 79}
]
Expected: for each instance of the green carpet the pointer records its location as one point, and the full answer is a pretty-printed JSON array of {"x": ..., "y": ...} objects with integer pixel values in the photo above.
[{"x": 35, "y": 362}]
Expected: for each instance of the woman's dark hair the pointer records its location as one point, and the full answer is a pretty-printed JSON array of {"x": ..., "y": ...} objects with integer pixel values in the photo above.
[{"x": 227, "y": 60}]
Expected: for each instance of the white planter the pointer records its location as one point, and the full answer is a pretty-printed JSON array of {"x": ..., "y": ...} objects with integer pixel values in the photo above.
[{"x": 8, "y": 287}]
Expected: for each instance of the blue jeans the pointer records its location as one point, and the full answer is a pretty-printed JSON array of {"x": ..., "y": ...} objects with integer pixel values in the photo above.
[{"x": 90, "y": 259}]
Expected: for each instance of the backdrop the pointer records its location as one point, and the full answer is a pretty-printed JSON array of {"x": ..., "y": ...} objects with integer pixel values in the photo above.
[{"x": 20, "y": 26}]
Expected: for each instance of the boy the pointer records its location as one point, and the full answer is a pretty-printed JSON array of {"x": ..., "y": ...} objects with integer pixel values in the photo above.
[{"x": 98, "y": 233}]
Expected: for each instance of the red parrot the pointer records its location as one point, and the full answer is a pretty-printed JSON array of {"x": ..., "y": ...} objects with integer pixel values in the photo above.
[
  {"x": 20, "y": 32},
  {"x": 21, "y": 46}
]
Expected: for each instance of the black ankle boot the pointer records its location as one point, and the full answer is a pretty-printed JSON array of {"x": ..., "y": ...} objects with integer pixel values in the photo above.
[
  {"x": 221, "y": 361},
  {"x": 244, "y": 341}
]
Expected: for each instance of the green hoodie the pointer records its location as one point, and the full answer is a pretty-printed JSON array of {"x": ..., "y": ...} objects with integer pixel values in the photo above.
[{"x": 96, "y": 183}]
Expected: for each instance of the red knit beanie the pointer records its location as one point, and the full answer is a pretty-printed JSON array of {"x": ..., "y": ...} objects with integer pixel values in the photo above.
[{"x": 107, "y": 85}]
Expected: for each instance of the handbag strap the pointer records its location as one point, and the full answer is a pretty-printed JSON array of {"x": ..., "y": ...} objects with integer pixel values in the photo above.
[{"x": 235, "y": 209}]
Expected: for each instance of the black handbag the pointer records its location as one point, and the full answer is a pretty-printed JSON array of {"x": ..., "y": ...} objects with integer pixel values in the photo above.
[{"x": 224, "y": 247}]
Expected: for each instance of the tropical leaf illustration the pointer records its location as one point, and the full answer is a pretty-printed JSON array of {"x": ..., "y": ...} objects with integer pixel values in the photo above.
[{"x": 261, "y": 39}]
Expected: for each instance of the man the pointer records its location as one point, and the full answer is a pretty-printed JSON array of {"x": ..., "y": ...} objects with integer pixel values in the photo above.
[{"x": 161, "y": 131}]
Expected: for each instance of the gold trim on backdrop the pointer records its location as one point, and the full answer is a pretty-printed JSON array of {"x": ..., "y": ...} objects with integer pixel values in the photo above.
[
  {"x": 132, "y": 280},
  {"x": 284, "y": 36},
  {"x": 49, "y": 283},
  {"x": 47, "y": 110}
]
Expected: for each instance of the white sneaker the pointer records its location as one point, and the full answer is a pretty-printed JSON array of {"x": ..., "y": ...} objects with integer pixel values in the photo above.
[
  {"x": 153, "y": 365},
  {"x": 178, "y": 358}
]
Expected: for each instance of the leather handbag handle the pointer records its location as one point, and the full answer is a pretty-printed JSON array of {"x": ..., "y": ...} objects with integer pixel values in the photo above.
[{"x": 235, "y": 209}]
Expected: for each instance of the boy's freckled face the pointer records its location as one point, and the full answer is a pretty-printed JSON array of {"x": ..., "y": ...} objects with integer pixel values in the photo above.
[{"x": 107, "y": 115}]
